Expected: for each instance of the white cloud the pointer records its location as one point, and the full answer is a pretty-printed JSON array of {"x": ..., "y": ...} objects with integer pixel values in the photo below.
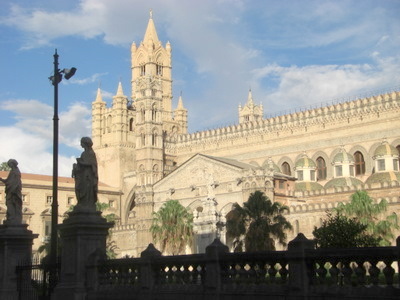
[
  {"x": 314, "y": 84},
  {"x": 87, "y": 80},
  {"x": 30, "y": 139},
  {"x": 31, "y": 152}
]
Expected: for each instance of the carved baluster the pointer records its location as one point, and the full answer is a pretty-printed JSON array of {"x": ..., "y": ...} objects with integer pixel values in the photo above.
[
  {"x": 388, "y": 271},
  {"x": 272, "y": 272},
  {"x": 283, "y": 271},
  {"x": 360, "y": 272},
  {"x": 321, "y": 271},
  {"x": 374, "y": 272},
  {"x": 334, "y": 272},
  {"x": 347, "y": 272}
]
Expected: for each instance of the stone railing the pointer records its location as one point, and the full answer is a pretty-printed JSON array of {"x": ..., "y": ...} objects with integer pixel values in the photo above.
[{"x": 301, "y": 272}]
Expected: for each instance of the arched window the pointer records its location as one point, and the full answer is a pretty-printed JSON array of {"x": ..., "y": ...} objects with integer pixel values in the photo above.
[
  {"x": 321, "y": 168},
  {"x": 143, "y": 139},
  {"x": 143, "y": 115},
  {"x": 398, "y": 150},
  {"x": 359, "y": 163},
  {"x": 131, "y": 124},
  {"x": 286, "y": 169},
  {"x": 153, "y": 113},
  {"x": 154, "y": 138},
  {"x": 109, "y": 123},
  {"x": 159, "y": 70}
]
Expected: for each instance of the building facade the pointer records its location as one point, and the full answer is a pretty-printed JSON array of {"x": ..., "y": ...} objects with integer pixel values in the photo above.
[{"x": 308, "y": 160}]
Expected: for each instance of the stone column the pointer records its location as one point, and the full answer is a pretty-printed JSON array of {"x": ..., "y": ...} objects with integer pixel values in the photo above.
[
  {"x": 82, "y": 234},
  {"x": 15, "y": 248}
]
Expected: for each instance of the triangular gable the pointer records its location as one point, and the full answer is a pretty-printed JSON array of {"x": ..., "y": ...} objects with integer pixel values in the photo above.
[{"x": 202, "y": 169}]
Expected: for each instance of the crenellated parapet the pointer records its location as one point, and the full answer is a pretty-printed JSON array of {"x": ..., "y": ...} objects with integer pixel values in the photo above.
[{"x": 342, "y": 112}]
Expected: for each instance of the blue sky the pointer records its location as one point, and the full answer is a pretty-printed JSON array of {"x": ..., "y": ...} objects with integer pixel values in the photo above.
[{"x": 292, "y": 54}]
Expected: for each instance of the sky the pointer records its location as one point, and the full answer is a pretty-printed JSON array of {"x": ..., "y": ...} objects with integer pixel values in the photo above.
[{"x": 291, "y": 54}]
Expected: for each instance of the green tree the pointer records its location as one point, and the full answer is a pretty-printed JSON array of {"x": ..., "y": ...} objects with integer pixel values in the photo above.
[
  {"x": 373, "y": 215},
  {"x": 257, "y": 224},
  {"x": 4, "y": 166},
  {"x": 172, "y": 227},
  {"x": 338, "y": 231}
]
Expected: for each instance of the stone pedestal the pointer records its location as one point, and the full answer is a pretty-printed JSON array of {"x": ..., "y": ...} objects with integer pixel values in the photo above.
[
  {"x": 83, "y": 234},
  {"x": 15, "y": 249}
]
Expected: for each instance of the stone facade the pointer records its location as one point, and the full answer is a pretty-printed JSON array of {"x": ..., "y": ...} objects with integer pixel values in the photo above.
[
  {"x": 309, "y": 160},
  {"x": 37, "y": 191}
]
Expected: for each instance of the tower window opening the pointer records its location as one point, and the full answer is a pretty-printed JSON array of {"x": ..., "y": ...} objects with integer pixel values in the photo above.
[
  {"x": 159, "y": 70},
  {"x": 143, "y": 70}
]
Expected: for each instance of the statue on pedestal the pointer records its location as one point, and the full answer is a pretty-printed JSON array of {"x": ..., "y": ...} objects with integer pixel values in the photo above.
[
  {"x": 13, "y": 194},
  {"x": 86, "y": 177}
]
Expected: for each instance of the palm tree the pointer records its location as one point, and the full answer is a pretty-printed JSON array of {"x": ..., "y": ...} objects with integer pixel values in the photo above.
[
  {"x": 172, "y": 227},
  {"x": 257, "y": 224},
  {"x": 362, "y": 207}
]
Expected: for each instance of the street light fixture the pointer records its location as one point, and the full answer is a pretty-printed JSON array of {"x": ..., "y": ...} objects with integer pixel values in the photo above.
[{"x": 55, "y": 80}]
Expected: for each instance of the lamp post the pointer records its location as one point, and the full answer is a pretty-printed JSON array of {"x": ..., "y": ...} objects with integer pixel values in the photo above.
[{"x": 55, "y": 80}]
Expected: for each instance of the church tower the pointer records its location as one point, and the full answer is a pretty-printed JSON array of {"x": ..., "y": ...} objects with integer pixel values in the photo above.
[
  {"x": 250, "y": 111},
  {"x": 150, "y": 58},
  {"x": 149, "y": 130}
]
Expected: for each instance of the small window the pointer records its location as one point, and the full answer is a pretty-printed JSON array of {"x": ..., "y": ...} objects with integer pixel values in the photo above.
[
  {"x": 339, "y": 171},
  {"x": 143, "y": 70},
  {"x": 395, "y": 164},
  {"x": 359, "y": 163},
  {"x": 111, "y": 203},
  {"x": 312, "y": 175},
  {"x": 49, "y": 200},
  {"x": 159, "y": 70},
  {"x": 281, "y": 184},
  {"x": 24, "y": 198},
  {"x": 381, "y": 165},
  {"x": 351, "y": 170},
  {"x": 300, "y": 175},
  {"x": 286, "y": 169},
  {"x": 47, "y": 228},
  {"x": 321, "y": 168}
]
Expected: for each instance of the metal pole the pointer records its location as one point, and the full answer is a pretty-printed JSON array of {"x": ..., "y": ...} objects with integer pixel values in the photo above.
[{"x": 54, "y": 206}]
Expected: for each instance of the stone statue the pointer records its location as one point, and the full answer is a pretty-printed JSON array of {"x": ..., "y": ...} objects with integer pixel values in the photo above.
[
  {"x": 13, "y": 194},
  {"x": 86, "y": 178}
]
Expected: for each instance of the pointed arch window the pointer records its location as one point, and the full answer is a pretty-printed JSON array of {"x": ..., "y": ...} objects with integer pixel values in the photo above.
[
  {"x": 359, "y": 163},
  {"x": 398, "y": 161},
  {"x": 143, "y": 139},
  {"x": 159, "y": 70},
  {"x": 143, "y": 70},
  {"x": 154, "y": 112},
  {"x": 321, "y": 168},
  {"x": 286, "y": 169},
  {"x": 154, "y": 138}
]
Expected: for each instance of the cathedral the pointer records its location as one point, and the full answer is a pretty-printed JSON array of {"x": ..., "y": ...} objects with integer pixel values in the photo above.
[{"x": 309, "y": 160}]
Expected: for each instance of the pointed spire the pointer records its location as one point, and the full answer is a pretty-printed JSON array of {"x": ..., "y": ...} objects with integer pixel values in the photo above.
[
  {"x": 250, "y": 98},
  {"x": 99, "y": 98},
  {"x": 120, "y": 92},
  {"x": 151, "y": 33},
  {"x": 180, "y": 103}
]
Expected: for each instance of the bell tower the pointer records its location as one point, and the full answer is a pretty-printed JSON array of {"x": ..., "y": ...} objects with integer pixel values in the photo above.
[{"x": 150, "y": 58}]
